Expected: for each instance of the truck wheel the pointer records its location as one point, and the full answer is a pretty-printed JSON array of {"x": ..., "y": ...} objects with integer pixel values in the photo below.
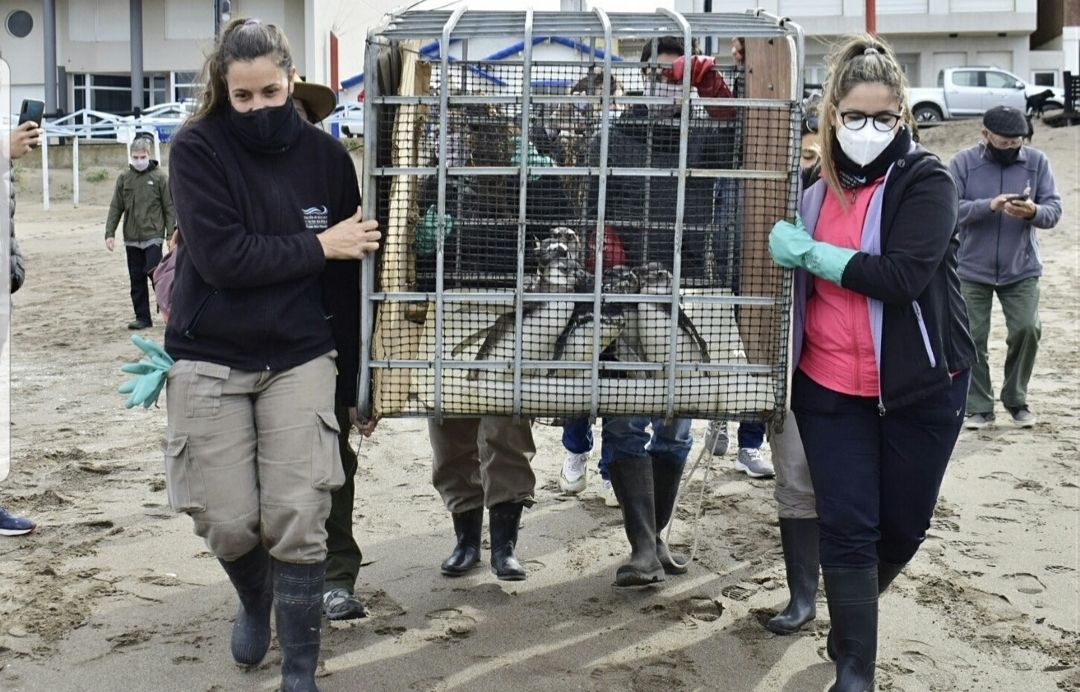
[{"x": 927, "y": 114}]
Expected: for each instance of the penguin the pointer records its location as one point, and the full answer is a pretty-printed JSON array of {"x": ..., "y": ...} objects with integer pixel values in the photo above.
[
  {"x": 654, "y": 321},
  {"x": 542, "y": 321},
  {"x": 562, "y": 242},
  {"x": 575, "y": 343}
]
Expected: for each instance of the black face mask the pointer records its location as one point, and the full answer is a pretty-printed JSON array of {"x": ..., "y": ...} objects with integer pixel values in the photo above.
[
  {"x": 1005, "y": 157},
  {"x": 268, "y": 130}
]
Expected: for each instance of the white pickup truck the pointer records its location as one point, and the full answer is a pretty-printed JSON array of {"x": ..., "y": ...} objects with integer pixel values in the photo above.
[{"x": 965, "y": 92}]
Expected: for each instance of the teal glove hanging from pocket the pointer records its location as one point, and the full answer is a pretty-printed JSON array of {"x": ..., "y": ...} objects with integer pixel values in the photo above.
[
  {"x": 427, "y": 232},
  {"x": 150, "y": 373}
]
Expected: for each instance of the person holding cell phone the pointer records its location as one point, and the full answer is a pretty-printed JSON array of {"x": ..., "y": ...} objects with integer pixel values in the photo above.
[{"x": 1007, "y": 192}]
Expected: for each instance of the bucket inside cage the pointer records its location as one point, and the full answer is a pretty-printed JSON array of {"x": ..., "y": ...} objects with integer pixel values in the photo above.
[{"x": 572, "y": 229}]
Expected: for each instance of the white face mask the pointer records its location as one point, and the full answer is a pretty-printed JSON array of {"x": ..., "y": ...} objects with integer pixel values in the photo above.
[
  {"x": 865, "y": 145},
  {"x": 140, "y": 164}
]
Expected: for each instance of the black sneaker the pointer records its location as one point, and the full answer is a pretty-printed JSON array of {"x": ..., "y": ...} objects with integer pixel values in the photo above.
[
  {"x": 1022, "y": 417},
  {"x": 140, "y": 324}
]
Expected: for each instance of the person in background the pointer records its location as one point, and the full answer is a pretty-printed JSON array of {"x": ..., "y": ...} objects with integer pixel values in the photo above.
[
  {"x": 751, "y": 434},
  {"x": 20, "y": 142},
  {"x": 315, "y": 102},
  {"x": 142, "y": 198},
  {"x": 1007, "y": 193},
  {"x": 881, "y": 344},
  {"x": 273, "y": 235},
  {"x": 793, "y": 491}
]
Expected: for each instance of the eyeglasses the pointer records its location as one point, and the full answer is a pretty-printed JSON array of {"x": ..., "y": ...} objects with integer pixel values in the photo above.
[{"x": 883, "y": 121}]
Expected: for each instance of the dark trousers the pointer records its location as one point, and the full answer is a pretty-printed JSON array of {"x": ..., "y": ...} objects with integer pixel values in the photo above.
[
  {"x": 876, "y": 477},
  {"x": 343, "y": 555},
  {"x": 141, "y": 263},
  {"x": 577, "y": 438},
  {"x": 751, "y": 434}
]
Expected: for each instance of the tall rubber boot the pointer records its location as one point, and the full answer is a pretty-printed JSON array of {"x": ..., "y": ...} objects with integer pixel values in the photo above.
[
  {"x": 799, "y": 538},
  {"x": 887, "y": 572},
  {"x": 466, "y": 555},
  {"x": 250, "y": 576},
  {"x": 632, "y": 480},
  {"x": 503, "y": 520},
  {"x": 666, "y": 479},
  {"x": 853, "y": 608},
  {"x": 298, "y": 612}
]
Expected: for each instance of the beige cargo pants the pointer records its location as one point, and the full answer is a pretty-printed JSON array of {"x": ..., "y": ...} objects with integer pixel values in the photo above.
[
  {"x": 793, "y": 490},
  {"x": 253, "y": 456},
  {"x": 481, "y": 462}
]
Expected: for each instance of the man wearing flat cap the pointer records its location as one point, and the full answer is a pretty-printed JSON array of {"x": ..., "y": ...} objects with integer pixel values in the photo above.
[{"x": 1007, "y": 192}]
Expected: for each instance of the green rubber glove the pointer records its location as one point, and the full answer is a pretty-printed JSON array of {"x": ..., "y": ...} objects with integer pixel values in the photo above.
[
  {"x": 427, "y": 232},
  {"x": 150, "y": 373},
  {"x": 789, "y": 242},
  {"x": 536, "y": 159},
  {"x": 828, "y": 261}
]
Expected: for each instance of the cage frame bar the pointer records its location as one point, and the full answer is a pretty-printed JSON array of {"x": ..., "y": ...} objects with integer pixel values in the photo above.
[{"x": 523, "y": 191}]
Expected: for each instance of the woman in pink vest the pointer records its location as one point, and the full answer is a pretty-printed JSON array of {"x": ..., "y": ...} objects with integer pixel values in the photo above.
[{"x": 881, "y": 347}]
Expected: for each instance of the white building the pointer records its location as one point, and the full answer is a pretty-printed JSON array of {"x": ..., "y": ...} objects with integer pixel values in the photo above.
[
  {"x": 93, "y": 51},
  {"x": 929, "y": 35}
]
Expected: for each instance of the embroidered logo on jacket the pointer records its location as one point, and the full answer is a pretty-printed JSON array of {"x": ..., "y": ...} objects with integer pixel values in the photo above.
[{"x": 316, "y": 218}]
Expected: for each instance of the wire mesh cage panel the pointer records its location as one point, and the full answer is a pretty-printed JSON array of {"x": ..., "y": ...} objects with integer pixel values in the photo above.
[{"x": 574, "y": 231}]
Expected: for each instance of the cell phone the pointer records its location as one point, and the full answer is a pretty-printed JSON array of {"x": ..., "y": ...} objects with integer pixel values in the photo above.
[
  {"x": 1017, "y": 198},
  {"x": 31, "y": 111}
]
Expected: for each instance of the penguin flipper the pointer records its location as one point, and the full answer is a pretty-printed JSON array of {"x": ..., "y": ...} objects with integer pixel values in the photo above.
[
  {"x": 686, "y": 325},
  {"x": 470, "y": 340}
]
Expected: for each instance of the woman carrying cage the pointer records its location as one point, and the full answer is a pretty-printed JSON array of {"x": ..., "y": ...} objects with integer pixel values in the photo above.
[
  {"x": 267, "y": 202},
  {"x": 881, "y": 346}
]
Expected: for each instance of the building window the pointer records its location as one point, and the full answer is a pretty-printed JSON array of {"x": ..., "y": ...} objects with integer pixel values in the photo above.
[
  {"x": 186, "y": 86},
  {"x": 19, "y": 23},
  {"x": 1046, "y": 79},
  {"x": 111, "y": 93}
]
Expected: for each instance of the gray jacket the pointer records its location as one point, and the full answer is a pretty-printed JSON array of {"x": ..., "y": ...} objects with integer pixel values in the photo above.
[{"x": 995, "y": 248}]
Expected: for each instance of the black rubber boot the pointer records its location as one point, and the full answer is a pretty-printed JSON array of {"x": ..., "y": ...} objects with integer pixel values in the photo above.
[
  {"x": 666, "y": 479},
  {"x": 853, "y": 608},
  {"x": 887, "y": 572},
  {"x": 466, "y": 555},
  {"x": 799, "y": 538},
  {"x": 632, "y": 480},
  {"x": 298, "y": 612},
  {"x": 503, "y": 520},
  {"x": 250, "y": 576}
]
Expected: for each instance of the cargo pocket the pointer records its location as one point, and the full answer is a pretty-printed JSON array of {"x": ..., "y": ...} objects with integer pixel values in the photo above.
[
  {"x": 326, "y": 470},
  {"x": 183, "y": 478},
  {"x": 204, "y": 390}
]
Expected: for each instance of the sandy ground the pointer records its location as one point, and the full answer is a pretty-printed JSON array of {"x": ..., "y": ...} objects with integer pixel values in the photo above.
[{"x": 114, "y": 592}]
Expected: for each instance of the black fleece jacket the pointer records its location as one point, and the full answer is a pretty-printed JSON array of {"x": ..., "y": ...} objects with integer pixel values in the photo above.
[
  {"x": 253, "y": 289},
  {"x": 916, "y": 271}
]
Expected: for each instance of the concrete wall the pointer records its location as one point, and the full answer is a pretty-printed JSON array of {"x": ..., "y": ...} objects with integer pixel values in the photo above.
[{"x": 24, "y": 55}]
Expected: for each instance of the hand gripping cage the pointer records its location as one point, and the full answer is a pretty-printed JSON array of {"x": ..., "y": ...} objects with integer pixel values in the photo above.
[{"x": 570, "y": 231}]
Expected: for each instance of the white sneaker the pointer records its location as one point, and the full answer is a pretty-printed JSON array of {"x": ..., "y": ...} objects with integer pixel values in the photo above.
[
  {"x": 716, "y": 438},
  {"x": 575, "y": 468},
  {"x": 609, "y": 495},
  {"x": 753, "y": 463}
]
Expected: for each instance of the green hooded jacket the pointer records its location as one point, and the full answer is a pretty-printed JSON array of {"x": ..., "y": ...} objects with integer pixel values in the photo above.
[{"x": 143, "y": 199}]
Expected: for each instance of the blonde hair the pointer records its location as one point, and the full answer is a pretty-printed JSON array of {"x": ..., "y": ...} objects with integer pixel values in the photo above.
[
  {"x": 244, "y": 40},
  {"x": 861, "y": 59}
]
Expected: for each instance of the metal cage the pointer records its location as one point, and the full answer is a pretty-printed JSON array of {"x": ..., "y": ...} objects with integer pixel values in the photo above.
[{"x": 569, "y": 231}]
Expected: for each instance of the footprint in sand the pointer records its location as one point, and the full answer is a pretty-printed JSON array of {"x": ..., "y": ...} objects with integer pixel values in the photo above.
[
  {"x": 737, "y": 593},
  {"x": 455, "y": 624},
  {"x": 1026, "y": 583},
  {"x": 1059, "y": 569}
]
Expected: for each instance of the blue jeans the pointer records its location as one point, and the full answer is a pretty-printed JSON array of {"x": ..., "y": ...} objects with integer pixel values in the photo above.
[
  {"x": 577, "y": 438},
  {"x": 751, "y": 434},
  {"x": 876, "y": 478},
  {"x": 626, "y": 437}
]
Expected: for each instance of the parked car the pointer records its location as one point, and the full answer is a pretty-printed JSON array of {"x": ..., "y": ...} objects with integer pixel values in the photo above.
[
  {"x": 348, "y": 119},
  {"x": 967, "y": 92}
]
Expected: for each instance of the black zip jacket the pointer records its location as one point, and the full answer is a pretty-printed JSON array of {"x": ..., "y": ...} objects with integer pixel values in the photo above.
[
  {"x": 916, "y": 267},
  {"x": 253, "y": 289}
]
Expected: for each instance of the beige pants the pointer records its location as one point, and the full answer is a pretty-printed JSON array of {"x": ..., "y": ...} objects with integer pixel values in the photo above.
[
  {"x": 253, "y": 456},
  {"x": 481, "y": 462},
  {"x": 793, "y": 491}
]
